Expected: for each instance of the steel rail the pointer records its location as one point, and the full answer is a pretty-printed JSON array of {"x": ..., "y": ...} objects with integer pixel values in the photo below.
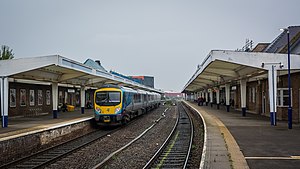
[
  {"x": 45, "y": 157},
  {"x": 171, "y": 149},
  {"x": 109, "y": 157}
]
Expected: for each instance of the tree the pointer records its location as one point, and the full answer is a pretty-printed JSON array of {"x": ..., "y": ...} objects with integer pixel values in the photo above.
[{"x": 6, "y": 53}]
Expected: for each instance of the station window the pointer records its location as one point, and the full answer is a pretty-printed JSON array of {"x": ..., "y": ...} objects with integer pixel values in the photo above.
[
  {"x": 283, "y": 97},
  {"x": 252, "y": 93}
]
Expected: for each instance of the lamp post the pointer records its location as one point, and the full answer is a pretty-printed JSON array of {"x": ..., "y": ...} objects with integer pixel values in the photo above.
[{"x": 290, "y": 119}]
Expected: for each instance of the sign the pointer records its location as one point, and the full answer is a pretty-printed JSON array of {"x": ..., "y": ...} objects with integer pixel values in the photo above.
[{"x": 71, "y": 90}]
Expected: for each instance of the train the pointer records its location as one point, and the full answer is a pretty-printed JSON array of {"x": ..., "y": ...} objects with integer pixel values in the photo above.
[{"x": 117, "y": 105}]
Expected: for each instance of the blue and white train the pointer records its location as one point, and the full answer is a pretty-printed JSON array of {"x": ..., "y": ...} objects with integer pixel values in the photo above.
[{"x": 116, "y": 105}]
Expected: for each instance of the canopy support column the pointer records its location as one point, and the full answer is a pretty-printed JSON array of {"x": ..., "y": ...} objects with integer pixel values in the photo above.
[
  {"x": 82, "y": 97},
  {"x": 55, "y": 99},
  {"x": 218, "y": 98},
  {"x": 272, "y": 80},
  {"x": 243, "y": 85},
  {"x": 211, "y": 97},
  {"x": 4, "y": 88},
  {"x": 206, "y": 97},
  {"x": 227, "y": 95}
]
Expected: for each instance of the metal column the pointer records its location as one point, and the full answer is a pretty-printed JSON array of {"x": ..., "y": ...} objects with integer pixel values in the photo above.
[
  {"x": 206, "y": 98},
  {"x": 272, "y": 80},
  {"x": 243, "y": 85},
  {"x": 55, "y": 99},
  {"x": 4, "y": 89},
  {"x": 82, "y": 98},
  {"x": 211, "y": 97},
  {"x": 227, "y": 95},
  {"x": 218, "y": 97}
]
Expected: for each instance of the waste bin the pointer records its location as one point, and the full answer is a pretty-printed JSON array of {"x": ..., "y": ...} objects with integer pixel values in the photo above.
[{"x": 70, "y": 108}]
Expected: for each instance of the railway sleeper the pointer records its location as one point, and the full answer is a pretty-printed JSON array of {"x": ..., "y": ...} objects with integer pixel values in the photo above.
[
  {"x": 38, "y": 160},
  {"x": 176, "y": 156},
  {"x": 35, "y": 163},
  {"x": 25, "y": 166}
]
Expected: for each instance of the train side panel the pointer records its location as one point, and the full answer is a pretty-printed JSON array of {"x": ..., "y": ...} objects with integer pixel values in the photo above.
[{"x": 118, "y": 105}]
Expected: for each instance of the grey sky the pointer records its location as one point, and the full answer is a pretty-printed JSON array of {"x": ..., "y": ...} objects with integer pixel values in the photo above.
[{"x": 161, "y": 38}]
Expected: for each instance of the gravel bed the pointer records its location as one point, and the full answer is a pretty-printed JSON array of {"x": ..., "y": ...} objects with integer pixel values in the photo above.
[
  {"x": 99, "y": 150},
  {"x": 141, "y": 151}
]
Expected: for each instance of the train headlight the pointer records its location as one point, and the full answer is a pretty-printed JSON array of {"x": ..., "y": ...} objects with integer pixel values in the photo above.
[
  {"x": 98, "y": 110},
  {"x": 117, "y": 110}
]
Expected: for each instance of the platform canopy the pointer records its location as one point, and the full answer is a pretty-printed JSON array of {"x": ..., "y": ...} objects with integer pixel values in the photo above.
[
  {"x": 63, "y": 71},
  {"x": 223, "y": 66}
]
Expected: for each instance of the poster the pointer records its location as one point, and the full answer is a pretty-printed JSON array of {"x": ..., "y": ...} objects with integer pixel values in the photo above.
[
  {"x": 31, "y": 97},
  {"x": 22, "y": 97},
  {"x": 40, "y": 97},
  {"x": 48, "y": 97},
  {"x": 12, "y": 98}
]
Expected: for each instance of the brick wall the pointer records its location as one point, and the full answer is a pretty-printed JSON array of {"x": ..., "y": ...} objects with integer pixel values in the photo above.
[{"x": 29, "y": 100}]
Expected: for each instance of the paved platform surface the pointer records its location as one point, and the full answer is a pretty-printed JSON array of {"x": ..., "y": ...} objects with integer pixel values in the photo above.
[
  {"x": 22, "y": 125},
  {"x": 263, "y": 146}
]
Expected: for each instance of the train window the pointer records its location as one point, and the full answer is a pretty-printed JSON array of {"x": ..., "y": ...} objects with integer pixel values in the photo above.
[
  {"x": 137, "y": 98},
  {"x": 108, "y": 98}
]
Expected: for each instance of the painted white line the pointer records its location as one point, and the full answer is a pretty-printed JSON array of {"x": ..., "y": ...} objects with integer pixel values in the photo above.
[
  {"x": 36, "y": 129},
  {"x": 274, "y": 158}
]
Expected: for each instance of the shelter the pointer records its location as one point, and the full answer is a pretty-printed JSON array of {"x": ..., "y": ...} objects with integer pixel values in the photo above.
[
  {"x": 255, "y": 82},
  {"x": 34, "y": 86}
]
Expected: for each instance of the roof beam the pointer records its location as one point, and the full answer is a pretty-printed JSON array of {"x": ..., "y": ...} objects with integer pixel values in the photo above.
[
  {"x": 96, "y": 80},
  {"x": 202, "y": 80},
  {"x": 223, "y": 72},
  {"x": 68, "y": 76}
]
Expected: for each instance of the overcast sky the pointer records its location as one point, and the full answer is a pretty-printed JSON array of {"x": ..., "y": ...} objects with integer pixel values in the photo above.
[{"x": 166, "y": 39}]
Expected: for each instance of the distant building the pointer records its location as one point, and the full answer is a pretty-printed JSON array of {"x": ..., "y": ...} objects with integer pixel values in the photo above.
[
  {"x": 260, "y": 47},
  {"x": 145, "y": 80},
  {"x": 94, "y": 64},
  {"x": 174, "y": 95}
]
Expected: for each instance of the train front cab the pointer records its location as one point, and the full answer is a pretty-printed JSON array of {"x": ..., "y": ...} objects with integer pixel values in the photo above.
[{"x": 108, "y": 106}]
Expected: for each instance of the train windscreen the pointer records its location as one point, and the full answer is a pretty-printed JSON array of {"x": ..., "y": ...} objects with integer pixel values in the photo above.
[{"x": 108, "y": 98}]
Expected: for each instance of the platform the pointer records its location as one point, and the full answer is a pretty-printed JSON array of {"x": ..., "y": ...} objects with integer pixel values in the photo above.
[
  {"x": 261, "y": 145},
  {"x": 23, "y": 125}
]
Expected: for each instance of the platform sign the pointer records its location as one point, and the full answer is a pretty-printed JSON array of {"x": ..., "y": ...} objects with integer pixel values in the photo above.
[
  {"x": 48, "y": 97},
  {"x": 12, "y": 98},
  {"x": 40, "y": 97},
  {"x": 31, "y": 97},
  {"x": 22, "y": 97},
  {"x": 71, "y": 90}
]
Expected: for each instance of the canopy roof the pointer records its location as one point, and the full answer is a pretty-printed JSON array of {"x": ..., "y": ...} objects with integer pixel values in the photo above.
[
  {"x": 64, "y": 71},
  {"x": 222, "y": 66}
]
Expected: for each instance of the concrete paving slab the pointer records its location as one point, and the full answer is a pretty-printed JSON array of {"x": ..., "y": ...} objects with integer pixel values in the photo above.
[
  {"x": 23, "y": 125},
  {"x": 220, "y": 143},
  {"x": 263, "y": 146}
]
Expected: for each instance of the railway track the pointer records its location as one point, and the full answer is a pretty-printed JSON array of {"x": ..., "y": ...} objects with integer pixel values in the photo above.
[
  {"x": 175, "y": 151},
  {"x": 103, "y": 163},
  {"x": 48, "y": 156},
  {"x": 51, "y": 155}
]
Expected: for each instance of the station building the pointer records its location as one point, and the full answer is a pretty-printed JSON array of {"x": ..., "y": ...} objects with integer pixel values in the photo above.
[
  {"x": 40, "y": 85},
  {"x": 253, "y": 81}
]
